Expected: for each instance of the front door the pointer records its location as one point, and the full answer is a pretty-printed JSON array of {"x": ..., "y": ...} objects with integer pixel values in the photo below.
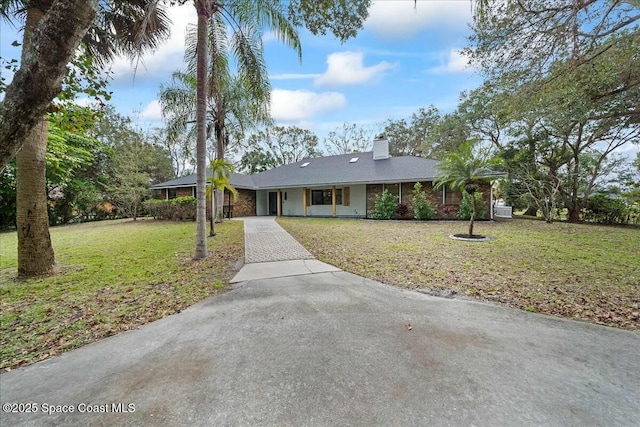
[{"x": 273, "y": 203}]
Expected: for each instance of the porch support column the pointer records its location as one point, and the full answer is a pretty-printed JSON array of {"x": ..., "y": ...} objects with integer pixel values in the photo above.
[
  {"x": 304, "y": 201},
  {"x": 333, "y": 201},
  {"x": 279, "y": 203}
]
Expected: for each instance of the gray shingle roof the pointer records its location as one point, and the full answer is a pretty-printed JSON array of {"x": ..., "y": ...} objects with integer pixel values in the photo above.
[
  {"x": 330, "y": 170},
  {"x": 238, "y": 180}
]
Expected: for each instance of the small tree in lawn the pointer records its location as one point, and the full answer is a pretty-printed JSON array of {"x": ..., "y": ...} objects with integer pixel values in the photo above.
[
  {"x": 220, "y": 179},
  {"x": 465, "y": 170}
]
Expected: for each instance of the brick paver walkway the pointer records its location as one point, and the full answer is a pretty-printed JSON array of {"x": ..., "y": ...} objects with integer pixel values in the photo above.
[{"x": 266, "y": 241}]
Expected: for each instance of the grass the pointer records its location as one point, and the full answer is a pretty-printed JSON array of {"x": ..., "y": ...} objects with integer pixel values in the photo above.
[
  {"x": 115, "y": 276},
  {"x": 583, "y": 272}
]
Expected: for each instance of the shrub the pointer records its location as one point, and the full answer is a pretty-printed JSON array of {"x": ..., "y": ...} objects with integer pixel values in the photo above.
[
  {"x": 466, "y": 209},
  {"x": 386, "y": 205},
  {"x": 178, "y": 209},
  {"x": 156, "y": 208},
  {"x": 633, "y": 214},
  {"x": 402, "y": 210},
  {"x": 183, "y": 208},
  {"x": 606, "y": 210},
  {"x": 422, "y": 209}
]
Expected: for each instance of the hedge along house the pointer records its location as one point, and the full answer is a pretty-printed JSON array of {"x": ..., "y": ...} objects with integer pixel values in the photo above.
[{"x": 345, "y": 185}]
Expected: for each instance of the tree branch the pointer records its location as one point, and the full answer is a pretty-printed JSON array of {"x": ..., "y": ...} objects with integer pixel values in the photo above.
[{"x": 39, "y": 79}]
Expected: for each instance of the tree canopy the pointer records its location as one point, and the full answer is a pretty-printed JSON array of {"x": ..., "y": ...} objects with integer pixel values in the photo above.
[{"x": 278, "y": 146}]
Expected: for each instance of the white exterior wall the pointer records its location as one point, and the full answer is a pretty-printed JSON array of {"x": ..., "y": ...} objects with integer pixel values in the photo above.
[
  {"x": 262, "y": 202},
  {"x": 293, "y": 205},
  {"x": 357, "y": 203}
]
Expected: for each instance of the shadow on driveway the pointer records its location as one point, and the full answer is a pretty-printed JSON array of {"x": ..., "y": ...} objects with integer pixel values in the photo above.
[{"x": 333, "y": 349}]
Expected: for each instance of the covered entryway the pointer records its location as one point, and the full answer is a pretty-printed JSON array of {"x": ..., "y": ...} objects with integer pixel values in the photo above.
[{"x": 273, "y": 203}]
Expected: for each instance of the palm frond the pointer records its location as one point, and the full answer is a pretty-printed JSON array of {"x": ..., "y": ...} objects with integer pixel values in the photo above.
[
  {"x": 246, "y": 45},
  {"x": 266, "y": 14},
  {"x": 127, "y": 27},
  {"x": 220, "y": 179},
  {"x": 13, "y": 11},
  {"x": 177, "y": 101},
  {"x": 466, "y": 168}
]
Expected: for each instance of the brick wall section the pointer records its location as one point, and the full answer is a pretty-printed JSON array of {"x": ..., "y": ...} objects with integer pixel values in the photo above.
[
  {"x": 434, "y": 196},
  {"x": 405, "y": 190},
  {"x": 486, "y": 198},
  {"x": 184, "y": 191},
  {"x": 447, "y": 211},
  {"x": 372, "y": 191},
  {"x": 245, "y": 204}
]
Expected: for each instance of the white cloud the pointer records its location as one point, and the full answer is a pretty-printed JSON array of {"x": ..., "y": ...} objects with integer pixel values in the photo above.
[
  {"x": 269, "y": 36},
  {"x": 293, "y": 76},
  {"x": 169, "y": 56},
  {"x": 86, "y": 102},
  {"x": 300, "y": 105},
  {"x": 152, "y": 111},
  {"x": 453, "y": 61},
  {"x": 403, "y": 19},
  {"x": 344, "y": 68}
]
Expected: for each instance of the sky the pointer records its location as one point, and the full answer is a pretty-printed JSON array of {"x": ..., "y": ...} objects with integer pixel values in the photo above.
[{"x": 406, "y": 57}]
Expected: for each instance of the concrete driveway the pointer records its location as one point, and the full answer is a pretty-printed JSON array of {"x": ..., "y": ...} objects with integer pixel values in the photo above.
[{"x": 333, "y": 349}]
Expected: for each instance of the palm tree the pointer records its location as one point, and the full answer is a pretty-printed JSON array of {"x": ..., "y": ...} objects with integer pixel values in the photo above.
[
  {"x": 466, "y": 170},
  {"x": 120, "y": 27},
  {"x": 220, "y": 180},
  {"x": 236, "y": 107},
  {"x": 238, "y": 17}
]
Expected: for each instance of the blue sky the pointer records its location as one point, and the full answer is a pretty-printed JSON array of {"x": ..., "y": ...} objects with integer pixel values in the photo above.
[{"x": 404, "y": 58}]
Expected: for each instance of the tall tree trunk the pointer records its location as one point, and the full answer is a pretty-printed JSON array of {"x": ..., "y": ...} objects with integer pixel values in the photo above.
[
  {"x": 574, "y": 203},
  {"x": 212, "y": 227},
  {"x": 219, "y": 155},
  {"x": 39, "y": 78},
  {"x": 473, "y": 213},
  {"x": 201, "y": 136},
  {"x": 35, "y": 252},
  {"x": 574, "y": 214}
]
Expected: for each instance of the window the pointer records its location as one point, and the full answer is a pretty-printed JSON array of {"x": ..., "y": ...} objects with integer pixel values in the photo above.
[
  {"x": 320, "y": 197},
  {"x": 172, "y": 193},
  {"x": 323, "y": 197},
  {"x": 393, "y": 189},
  {"x": 452, "y": 197}
]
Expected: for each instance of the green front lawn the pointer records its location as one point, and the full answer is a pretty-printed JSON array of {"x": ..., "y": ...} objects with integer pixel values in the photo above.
[
  {"x": 584, "y": 272},
  {"x": 115, "y": 276}
]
